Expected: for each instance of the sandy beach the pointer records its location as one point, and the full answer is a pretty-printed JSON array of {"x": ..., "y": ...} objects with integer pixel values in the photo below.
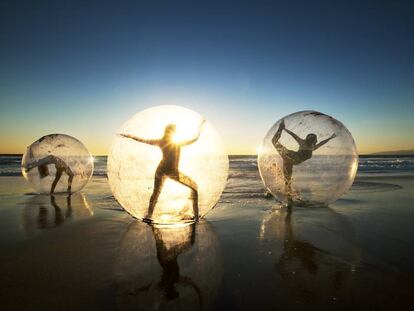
[
  {"x": 206, "y": 155},
  {"x": 85, "y": 252}
]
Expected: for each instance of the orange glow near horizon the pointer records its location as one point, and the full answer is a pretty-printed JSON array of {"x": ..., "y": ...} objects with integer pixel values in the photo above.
[{"x": 12, "y": 145}]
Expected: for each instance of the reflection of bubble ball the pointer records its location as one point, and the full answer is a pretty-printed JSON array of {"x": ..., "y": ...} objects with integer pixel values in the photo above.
[
  {"x": 308, "y": 248},
  {"x": 170, "y": 268},
  {"x": 132, "y": 165},
  {"x": 46, "y": 212},
  {"x": 298, "y": 175},
  {"x": 54, "y": 155}
]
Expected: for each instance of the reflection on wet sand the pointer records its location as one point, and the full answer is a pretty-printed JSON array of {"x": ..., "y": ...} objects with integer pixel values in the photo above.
[
  {"x": 165, "y": 267},
  {"x": 46, "y": 212},
  {"x": 317, "y": 263}
]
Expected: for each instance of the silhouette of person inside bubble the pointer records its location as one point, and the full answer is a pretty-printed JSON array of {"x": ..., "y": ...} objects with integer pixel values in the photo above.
[
  {"x": 168, "y": 167},
  {"x": 60, "y": 165},
  {"x": 168, "y": 260},
  {"x": 291, "y": 158}
]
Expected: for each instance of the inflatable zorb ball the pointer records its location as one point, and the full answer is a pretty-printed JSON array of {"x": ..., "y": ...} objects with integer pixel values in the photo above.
[
  {"x": 57, "y": 163},
  {"x": 167, "y": 165},
  {"x": 308, "y": 158}
]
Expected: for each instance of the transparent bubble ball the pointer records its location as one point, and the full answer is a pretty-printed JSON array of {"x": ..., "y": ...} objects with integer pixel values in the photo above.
[
  {"x": 59, "y": 159},
  {"x": 312, "y": 165},
  {"x": 136, "y": 168}
]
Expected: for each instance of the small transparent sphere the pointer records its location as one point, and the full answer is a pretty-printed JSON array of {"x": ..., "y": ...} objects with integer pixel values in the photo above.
[
  {"x": 57, "y": 163},
  {"x": 167, "y": 165},
  {"x": 308, "y": 158}
]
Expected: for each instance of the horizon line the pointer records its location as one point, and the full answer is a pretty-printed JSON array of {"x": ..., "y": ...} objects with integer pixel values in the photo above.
[{"x": 379, "y": 154}]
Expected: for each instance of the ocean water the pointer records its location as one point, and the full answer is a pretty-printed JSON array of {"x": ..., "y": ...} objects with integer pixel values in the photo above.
[
  {"x": 10, "y": 165},
  {"x": 242, "y": 165},
  {"x": 244, "y": 184}
]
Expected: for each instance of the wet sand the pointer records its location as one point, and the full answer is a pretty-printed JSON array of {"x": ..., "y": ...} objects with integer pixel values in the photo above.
[{"x": 249, "y": 252}]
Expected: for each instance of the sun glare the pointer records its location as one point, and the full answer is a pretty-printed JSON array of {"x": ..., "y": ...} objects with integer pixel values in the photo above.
[{"x": 186, "y": 130}]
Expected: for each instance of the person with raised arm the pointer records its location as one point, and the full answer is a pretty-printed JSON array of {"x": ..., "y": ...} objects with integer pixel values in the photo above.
[
  {"x": 291, "y": 158},
  {"x": 168, "y": 167}
]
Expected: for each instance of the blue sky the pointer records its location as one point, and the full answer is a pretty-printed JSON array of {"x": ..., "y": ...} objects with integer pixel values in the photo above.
[{"x": 84, "y": 67}]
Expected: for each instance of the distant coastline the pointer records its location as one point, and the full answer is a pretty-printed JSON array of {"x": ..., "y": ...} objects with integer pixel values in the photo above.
[{"x": 395, "y": 153}]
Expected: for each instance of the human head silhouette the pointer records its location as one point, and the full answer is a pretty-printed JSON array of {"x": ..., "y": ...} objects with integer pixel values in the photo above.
[
  {"x": 43, "y": 171},
  {"x": 311, "y": 139},
  {"x": 171, "y": 293},
  {"x": 169, "y": 130}
]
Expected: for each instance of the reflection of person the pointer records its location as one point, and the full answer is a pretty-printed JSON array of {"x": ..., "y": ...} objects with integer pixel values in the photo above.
[
  {"x": 293, "y": 248},
  {"x": 168, "y": 260},
  {"x": 47, "y": 212},
  {"x": 168, "y": 166},
  {"x": 291, "y": 158},
  {"x": 42, "y": 219},
  {"x": 302, "y": 264},
  {"x": 60, "y": 166}
]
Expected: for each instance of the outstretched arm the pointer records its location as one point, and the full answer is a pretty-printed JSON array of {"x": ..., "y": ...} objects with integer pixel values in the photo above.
[
  {"x": 189, "y": 142},
  {"x": 278, "y": 133},
  {"x": 323, "y": 142},
  {"x": 154, "y": 142},
  {"x": 296, "y": 137},
  {"x": 46, "y": 160}
]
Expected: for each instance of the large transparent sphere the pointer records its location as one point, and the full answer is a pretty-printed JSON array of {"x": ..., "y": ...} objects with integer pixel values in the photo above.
[
  {"x": 167, "y": 166},
  {"x": 308, "y": 158},
  {"x": 57, "y": 163}
]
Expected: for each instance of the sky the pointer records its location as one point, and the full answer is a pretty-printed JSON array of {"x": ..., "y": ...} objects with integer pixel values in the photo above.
[{"x": 85, "y": 67}]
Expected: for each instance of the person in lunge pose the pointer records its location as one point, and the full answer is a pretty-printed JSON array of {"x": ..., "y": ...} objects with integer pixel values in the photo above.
[{"x": 168, "y": 166}]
